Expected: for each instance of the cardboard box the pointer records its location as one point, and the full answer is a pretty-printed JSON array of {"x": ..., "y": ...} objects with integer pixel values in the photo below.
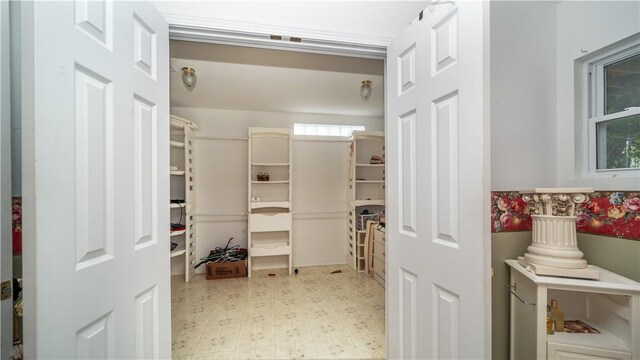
[{"x": 226, "y": 270}]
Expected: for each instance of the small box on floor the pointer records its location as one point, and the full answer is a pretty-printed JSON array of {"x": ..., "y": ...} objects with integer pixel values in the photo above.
[{"x": 226, "y": 270}]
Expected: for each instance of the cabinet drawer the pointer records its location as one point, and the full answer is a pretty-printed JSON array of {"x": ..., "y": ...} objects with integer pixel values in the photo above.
[
  {"x": 378, "y": 250},
  {"x": 269, "y": 222},
  {"x": 378, "y": 267},
  {"x": 378, "y": 236}
]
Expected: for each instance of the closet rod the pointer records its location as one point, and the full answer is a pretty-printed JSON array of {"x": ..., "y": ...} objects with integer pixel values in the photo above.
[
  {"x": 321, "y": 140},
  {"x": 223, "y": 214},
  {"x": 293, "y": 212},
  {"x": 318, "y": 212},
  {"x": 210, "y": 138}
]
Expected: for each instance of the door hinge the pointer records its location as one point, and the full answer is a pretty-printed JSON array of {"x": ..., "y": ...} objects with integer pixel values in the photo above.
[
  {"x": 5, "y": 290},
  {"x": 421, "y": 15}
]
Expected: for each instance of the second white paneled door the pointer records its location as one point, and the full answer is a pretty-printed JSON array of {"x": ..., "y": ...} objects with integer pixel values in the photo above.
[
  {"x": 96, "y": 162},
  {"x": 437, "y": 237}
]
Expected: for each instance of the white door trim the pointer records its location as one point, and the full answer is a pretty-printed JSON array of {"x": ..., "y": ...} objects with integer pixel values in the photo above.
[
  {"x": 6, "y": 251},
  {"x": 189, "y": 28}
]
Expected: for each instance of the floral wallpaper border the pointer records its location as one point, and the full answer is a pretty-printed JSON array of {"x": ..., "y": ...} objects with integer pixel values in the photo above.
[{"x": 607, "y": 213}]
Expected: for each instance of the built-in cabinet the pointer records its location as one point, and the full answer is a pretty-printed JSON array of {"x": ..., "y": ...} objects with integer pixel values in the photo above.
[
  {"x": 611, "y": 305},
  {"x": 366, "y": 191},
  {"x": 182, "y": 200},
  {"x": 269, "y": 203}
]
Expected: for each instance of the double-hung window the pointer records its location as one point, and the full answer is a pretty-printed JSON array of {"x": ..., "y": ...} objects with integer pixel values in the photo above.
[{"x": 613, "y": 110}]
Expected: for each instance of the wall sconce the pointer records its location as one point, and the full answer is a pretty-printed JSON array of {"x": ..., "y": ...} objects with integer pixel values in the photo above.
[
  {"x": 189, "y": 77},
  {"x": 365, "y": 89}
]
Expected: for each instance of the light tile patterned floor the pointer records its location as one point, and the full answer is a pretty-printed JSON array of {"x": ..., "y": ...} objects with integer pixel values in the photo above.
[{"x": 312, "y": 315}]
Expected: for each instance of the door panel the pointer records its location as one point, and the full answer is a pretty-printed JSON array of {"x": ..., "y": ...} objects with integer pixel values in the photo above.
[
  {"x": 97, "y": 148},
  {"x": 437, "y": 255}
]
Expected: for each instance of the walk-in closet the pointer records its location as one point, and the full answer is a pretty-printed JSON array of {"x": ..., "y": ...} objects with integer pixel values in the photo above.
[{"x": 278, "y": 163}]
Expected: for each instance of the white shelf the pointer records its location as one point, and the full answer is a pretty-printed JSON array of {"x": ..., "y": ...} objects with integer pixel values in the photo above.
[
  {"x": 379, "y": 202},
  {"x": 177, "y": 205},
  {"x": 604, "y": 340},
  {"x": 176, "y": 144},
  {"x": 269, "y": 164},
  {"x": 366, "y": 188},
  {"x": 270, "y": 204},
  {"x": 270, "y": 182},
  {"x": 269, "y": 232},
  {"x": 178, "y": 233},
  {"x": 275, "y": 249},
  {"x": 176, "y": 252},
  {"x": 177, "y": 172}
]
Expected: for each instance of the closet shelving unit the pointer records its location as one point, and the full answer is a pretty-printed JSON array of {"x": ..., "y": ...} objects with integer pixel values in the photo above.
[
  {"x": 270, "y": 222},
  {"x": 182, "y": 188},
  {"x": 366, "y": 190}
]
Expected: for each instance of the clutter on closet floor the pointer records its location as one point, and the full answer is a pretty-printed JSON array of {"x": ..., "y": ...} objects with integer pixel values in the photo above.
[{"x": 227, "y": 262}]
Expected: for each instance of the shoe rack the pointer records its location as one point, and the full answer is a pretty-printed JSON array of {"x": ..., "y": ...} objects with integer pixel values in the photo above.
[{"x": 366, "y": 191}]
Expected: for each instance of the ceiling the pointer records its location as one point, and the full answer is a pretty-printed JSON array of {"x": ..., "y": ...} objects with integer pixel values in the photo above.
[
  {"x": 231, "y": 77},
  {"x": 241, "y": 78}
]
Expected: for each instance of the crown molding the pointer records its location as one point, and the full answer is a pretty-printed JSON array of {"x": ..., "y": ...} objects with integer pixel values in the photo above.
[{"x": 228, "y": 32}]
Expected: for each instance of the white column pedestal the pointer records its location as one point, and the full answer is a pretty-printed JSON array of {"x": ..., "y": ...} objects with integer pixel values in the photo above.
[{"x": 554, "y": 249}]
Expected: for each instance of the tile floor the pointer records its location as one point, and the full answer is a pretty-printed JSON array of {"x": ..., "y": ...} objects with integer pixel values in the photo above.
[{"x": 312, "y": 315}]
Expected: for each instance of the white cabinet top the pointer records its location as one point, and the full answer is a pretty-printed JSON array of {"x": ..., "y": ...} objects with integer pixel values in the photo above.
[
  {"x": 556, "y": 191},
  {"x": 608, "y": 281}
]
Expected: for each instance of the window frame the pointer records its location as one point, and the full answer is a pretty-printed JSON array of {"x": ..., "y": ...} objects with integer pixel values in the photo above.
[
  {"x": 594, "y": 108},
  {"x": 340, "y": 127}
]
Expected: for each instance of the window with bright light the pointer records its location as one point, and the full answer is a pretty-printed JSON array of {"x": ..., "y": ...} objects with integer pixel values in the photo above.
[
  {"x": 325, "y": 129},
  {"x": 614, "y": 109}
]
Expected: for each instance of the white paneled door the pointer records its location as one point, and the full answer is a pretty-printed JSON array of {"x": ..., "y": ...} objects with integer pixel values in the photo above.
[
  {"x": 438, "y": 268},
  {"x": 96, "y": 162},
  {"x": 6, "y": 271}
]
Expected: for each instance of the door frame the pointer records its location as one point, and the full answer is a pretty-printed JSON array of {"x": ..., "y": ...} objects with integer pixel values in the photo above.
[
  {"x": 6, "y": 191},
  {"x": 192, "y": 29}
]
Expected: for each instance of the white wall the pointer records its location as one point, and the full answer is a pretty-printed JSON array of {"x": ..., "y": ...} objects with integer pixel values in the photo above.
[
  {"x": 589, "y": 26},
  {"x": 319, "y": 182},
  {"x": 523, "y": 98}
]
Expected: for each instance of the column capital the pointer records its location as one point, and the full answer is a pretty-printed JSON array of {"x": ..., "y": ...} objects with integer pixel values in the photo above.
[{"x": 555, "y": 201}]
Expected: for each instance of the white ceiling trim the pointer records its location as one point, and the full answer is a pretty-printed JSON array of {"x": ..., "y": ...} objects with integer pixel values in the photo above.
[{"x": 217, "y": 31}]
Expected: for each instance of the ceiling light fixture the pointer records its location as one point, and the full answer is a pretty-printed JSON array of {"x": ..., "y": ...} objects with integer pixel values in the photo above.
[
  {"x": 365, "y": 89},
  {"x": 189, "y": 77}
]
